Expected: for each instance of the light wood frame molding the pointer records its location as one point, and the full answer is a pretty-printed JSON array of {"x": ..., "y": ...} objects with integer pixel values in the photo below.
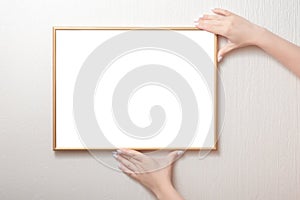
[{"x": 54, "y": 29}]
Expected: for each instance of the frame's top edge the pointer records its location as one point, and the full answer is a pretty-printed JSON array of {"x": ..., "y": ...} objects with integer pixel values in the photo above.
[{"x": 123, "y": 28}]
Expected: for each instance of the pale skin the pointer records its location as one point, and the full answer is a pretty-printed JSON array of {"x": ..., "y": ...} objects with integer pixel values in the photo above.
[
  {"x": 153, "y": 173},
  {"x": 241, "y": 33},
  {"x": 156, "y": 174}
]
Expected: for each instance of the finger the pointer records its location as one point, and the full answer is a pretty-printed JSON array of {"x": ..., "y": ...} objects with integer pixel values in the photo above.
[
  {"x": 132, "y": 154},
  {"x": 130, "y": 159},
  {"x": 124, "y": 169},
  {"x": 137, "y": 164},
  {"x": 208, "y": 17},
  {"x": 225, "y": 50},
  {"x": 174, "y": 156},
  {"x": 209, "y": 21},
  {"x": 168, "y": 161},
  {"x": 212, "y": 26},
  {"x": 211, "y": 17},
  {"x": 127, "y": 171},
  {"x": 221, "y": 11},
  {"x": 127, "y": 163}
]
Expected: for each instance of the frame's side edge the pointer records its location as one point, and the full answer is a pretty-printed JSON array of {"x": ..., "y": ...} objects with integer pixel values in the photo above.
[
  {"x": 54, "y": 87},
  {"x": 216, "y": 92}
]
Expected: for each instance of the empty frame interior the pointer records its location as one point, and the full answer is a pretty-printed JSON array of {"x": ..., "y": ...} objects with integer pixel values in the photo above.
[{"x": 76, "y": 50}]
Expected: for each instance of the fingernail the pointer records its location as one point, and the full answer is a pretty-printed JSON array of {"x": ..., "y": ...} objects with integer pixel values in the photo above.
[
  {"x": 220, "y": 58},
  {"x": 114, "y": 154},
  {"x": 179, "y": 153},
  {"x": 119, "y": 151}
]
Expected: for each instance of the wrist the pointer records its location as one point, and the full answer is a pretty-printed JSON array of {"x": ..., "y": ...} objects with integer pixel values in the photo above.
[
  {"x": 162, "y": 191},
  {"x": 261, "y": 36}
]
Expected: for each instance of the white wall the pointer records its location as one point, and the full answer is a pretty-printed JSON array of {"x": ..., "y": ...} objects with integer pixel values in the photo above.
[{"x": 258, "y": 155}]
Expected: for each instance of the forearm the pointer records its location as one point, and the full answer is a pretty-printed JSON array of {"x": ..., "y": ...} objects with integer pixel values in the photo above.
[
  {"x": 167, "y": 192},
  {"x": 282, "y": 50}
]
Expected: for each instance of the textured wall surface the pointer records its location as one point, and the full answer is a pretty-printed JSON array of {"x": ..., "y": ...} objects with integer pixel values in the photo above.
[{"x": 258, "y": 155}]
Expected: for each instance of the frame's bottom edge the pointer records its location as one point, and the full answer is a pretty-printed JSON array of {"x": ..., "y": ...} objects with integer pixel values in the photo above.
[{"x": 139, "y": 149}]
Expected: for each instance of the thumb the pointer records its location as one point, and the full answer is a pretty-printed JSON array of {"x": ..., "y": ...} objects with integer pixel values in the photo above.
[
  {"x": 226, "y": 49},
  {"x": 174, "y": 155}
]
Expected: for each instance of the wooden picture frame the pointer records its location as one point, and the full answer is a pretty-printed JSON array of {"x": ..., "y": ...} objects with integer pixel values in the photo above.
[{"x": 57, "y": 83}]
